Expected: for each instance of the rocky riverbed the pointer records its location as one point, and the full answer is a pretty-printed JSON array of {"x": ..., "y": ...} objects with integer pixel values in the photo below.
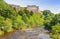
[{"x": 36, "y": 33}]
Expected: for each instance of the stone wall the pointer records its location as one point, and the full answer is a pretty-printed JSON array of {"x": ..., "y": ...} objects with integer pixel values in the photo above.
[{"x": 33, "y": 8}]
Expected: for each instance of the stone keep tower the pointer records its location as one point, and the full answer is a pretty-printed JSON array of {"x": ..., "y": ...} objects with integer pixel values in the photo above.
[{"x": 33, "y": 8}]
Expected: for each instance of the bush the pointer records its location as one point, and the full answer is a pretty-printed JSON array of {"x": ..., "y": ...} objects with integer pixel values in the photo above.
[{"x": 1, "y": 32}]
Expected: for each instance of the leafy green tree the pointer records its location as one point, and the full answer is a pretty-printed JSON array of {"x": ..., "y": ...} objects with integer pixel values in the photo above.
[
  {"x": 25, "y": 18},
  {"x": 19, "y": 23},
  {"x": 56, "y": 31},
  {"x": 21, "y": 13},
  {"x": 25, "y": 11},
  {"x": 48, "y": 17},
  {"x": 8, "y": 25},
  {"x": 56, "y": 36},
  {"x": 1, "y": 21},
  {"x": 56, "y": 28},
  {"x": 31, "y": 22},
  {"x": 7, "y": 11},
  {"x": 31, "y": 13},
  {"x": 38, "y": 20},
  {"x": 55, "y": 20},
  {"x": 1, "y": 32},
  {"x": 46, "y": 12}
]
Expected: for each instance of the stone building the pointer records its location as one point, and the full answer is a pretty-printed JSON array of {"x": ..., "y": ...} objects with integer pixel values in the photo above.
[
  {"x": 16, "y": 7},
  {"x": 33, "y": 8}
]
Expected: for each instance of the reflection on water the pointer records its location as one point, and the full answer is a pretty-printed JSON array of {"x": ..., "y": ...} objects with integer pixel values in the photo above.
[
  {"x": 44, "y": 36},
  {"x": 33, "y": 34}
]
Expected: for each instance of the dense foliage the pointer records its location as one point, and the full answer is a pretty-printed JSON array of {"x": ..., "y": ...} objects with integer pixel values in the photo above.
[
  {"x": 10, "y": 20},
  {"x": 52, "y": 23}
]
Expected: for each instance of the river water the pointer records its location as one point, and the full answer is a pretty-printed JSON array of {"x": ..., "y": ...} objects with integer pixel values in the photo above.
[{"x": 36, "y": 33}]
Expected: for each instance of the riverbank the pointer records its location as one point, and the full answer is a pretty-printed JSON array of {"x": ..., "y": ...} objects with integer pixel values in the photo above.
[
  {"x": 22, "y": 30},
  {"x": 29, "y": 33},
  {"x": 37, "y": 29}
]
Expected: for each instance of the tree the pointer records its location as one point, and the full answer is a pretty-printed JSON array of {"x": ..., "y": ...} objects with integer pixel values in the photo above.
[
  {"x": 56, "y": 31},
  {"x": 1, "y": 21},
  {"x": 46, "y": 12},
  {"x": 21, "y": 13},
  {"x": 56, "y": 28},
  {"x": 31, "y": 22},
  {"x": 48, "y": 17},
  {"x": 25, "y": 18},
  {"x": 1, "y": 32},
  {"x": 7, "y": 11},
  {"x": 19, "y": 23},
  {"x": 8, "y": 25},
  {"x": 55, "y": 20},
  {"x": 38, "y": 20}
]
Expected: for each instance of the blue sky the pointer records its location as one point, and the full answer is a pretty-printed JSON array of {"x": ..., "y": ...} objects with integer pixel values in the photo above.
[{"x": 53, "y": 5}]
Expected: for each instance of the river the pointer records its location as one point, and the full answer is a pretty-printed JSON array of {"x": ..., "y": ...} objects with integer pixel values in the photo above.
[{"x": 36, "y": 33}]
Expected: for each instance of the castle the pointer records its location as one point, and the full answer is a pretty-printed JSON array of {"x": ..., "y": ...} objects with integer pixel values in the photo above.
[{"x": 32, "y": 8}]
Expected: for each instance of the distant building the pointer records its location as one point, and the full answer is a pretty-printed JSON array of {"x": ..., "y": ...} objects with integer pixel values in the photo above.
[
  {"x": 33, "y": 8},
  {"x": 16, "y": 7}
]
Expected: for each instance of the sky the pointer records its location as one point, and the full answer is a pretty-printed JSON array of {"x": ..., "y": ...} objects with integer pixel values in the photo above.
[{"x": 52, "y": 5}]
